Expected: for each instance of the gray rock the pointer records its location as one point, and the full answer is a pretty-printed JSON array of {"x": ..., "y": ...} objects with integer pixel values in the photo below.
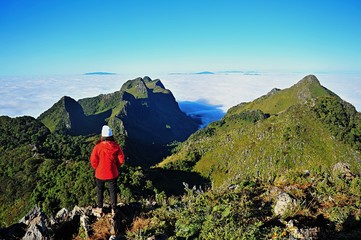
[
  {"x": 77, "y": 211},
  {"x": 38, "y": 224},
  {"x": 284, "y": 204},
  {"x": 86, "y": 225},
  {"x": 32, "y": 214},
  {"x": 342, "y": 169},
  {"x": 62, "y": 215},
  {"x": 37, "y": 229},
  {"x": 35, "y": 232}
]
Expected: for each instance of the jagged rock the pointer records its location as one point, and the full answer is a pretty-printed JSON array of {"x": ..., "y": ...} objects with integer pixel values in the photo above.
[
  {"x": 342, "y": 169},
  {"x": 85, "y": 223},
  {"x": 32, "y": 214},
  {"x": 36, "y": 231},
  {"x": 62, "y": 215},
  {"x": 67, "y": 224},
  {"x": 77, "y": 211},
  {"x": 284, "y": 204},
  {"x": 38, "y": 224}
]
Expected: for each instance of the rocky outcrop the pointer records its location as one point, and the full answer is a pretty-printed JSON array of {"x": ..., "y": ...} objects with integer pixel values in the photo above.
[
  {"x": 37, "y": 224},
  {"x": 80, "y": 221}
]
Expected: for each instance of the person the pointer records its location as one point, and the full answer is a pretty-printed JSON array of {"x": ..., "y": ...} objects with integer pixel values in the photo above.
[{"x": 106, "y": 158}]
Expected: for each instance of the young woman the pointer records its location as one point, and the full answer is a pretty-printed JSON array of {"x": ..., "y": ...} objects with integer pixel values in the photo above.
[{"x": 106, "y": 158}]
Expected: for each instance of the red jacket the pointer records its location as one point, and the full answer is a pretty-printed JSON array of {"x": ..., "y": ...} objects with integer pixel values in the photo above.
[{"x": 106, "y": 158}]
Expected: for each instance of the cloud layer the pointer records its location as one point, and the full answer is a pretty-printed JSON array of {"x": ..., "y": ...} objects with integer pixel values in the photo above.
[{"x": 33, "y": 95}]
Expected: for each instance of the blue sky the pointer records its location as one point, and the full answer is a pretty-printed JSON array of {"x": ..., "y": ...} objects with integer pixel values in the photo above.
[{"x": 145, "y": 37}]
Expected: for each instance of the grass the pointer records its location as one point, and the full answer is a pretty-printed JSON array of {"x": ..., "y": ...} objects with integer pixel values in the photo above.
[{"x": 245, "y": 144}]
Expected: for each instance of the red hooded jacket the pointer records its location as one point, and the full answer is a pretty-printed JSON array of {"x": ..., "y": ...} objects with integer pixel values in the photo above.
[{"x": 106, "y": 158}]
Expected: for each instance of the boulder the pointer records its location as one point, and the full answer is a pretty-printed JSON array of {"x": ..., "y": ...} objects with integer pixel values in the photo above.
[{"x": 284, "y": 204}]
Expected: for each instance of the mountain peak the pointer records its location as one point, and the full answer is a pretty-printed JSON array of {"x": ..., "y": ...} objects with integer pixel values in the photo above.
[
  {"x": 278, "y": 101},
  {"x": 141, "y": 87},
  {"x": 136, "y": 87},
  {"x": 147, "y": 79},
  {"x": 67, "y": 99},
  {"x": 309, "y": 80}
]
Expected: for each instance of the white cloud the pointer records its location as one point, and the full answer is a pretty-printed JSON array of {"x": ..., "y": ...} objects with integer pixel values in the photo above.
[{"x": 33, "y": 95}]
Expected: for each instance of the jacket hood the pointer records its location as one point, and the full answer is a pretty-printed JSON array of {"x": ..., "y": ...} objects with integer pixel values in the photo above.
[{"x": 110, "y": 145}]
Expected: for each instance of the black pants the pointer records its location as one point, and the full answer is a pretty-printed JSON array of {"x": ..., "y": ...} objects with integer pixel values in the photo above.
[{"x": 112, "y": 192}]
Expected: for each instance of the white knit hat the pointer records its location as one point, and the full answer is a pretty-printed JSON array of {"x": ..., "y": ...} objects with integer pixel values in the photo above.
[{"x": 107, "y": 131}]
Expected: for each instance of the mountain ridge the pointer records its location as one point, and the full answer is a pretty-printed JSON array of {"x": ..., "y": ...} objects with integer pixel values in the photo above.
[{"x": 286, "y": 130}]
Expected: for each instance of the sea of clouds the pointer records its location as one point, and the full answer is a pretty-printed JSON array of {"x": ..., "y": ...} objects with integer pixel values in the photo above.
[{"x": 206, "y": 95}]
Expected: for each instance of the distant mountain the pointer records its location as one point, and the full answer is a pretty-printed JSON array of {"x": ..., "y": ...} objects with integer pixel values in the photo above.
[
  {"x": 251, "y": 73},
  {"x": 231, "y": 72},
  {"x": 142, "y": 110},
  {"x": 205, "y": 73},
  {"x": 303, "y": 127},
  {"x": 99, "y": 73}
]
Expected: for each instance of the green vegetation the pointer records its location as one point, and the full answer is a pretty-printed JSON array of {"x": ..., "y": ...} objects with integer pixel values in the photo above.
[
  {"x": 56, "y": 118},
  {"x": 101, "y": 103},
  {"x": 21, "y": 131},
  {"x": 342, "y": 119},
  {"x": 249, "y": 143},
  {"x": 278, "y": 101},
  {"x": 20, "y": 139},
  {"x": 52, "y": 170},
  {"x": 327, "y": 207}
]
